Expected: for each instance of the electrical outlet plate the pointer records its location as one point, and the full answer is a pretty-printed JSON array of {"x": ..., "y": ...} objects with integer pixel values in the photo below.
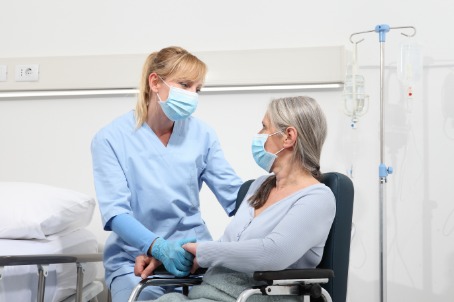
[
  {"x": 3, "y": 72},
  {"x": 27, "y": 73}
]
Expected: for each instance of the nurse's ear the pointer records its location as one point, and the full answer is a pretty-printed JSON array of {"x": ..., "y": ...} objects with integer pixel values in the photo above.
[{"x": 154, "y": 82}]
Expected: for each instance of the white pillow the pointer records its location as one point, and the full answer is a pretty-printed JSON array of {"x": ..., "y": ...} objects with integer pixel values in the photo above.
[{"x": 35, "y": 211}]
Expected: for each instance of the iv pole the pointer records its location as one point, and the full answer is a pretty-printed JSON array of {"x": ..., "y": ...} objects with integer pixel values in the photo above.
[{"x": 383, "y": 171}]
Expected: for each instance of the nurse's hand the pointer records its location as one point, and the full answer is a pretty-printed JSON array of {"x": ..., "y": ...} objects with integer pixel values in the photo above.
[
  {"x": 145, "y": 266},
  {"x": 176, "y": 260}
]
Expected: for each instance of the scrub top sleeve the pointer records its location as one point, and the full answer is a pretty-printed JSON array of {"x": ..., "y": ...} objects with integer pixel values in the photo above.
[
  {"x": 221, "y": 178},
  {"x": 111, "y": 186}
]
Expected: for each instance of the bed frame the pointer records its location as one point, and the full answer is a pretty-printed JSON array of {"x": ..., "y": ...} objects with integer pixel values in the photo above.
[{"x": 42, "y": 262}]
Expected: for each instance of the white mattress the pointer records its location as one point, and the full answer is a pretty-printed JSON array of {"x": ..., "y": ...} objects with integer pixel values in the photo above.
[{"x": 20, "y": 283}]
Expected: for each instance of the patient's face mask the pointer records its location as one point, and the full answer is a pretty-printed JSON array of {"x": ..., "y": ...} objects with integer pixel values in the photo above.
[
  {"x": 264, "y": 159},
  {"x": 180, "y": 104}
]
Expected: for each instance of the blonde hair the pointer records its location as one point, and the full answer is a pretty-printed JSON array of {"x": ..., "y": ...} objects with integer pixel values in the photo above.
[
  {"x": 171, "y": 61},
  {"x": 307, "y": 117}
]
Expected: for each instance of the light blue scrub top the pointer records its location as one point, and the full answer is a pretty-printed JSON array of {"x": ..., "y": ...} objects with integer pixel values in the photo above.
[{"x": 159, "y": 186}]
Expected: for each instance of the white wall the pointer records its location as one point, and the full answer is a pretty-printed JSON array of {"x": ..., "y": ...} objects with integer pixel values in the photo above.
[{"x": 48, "y": 140}]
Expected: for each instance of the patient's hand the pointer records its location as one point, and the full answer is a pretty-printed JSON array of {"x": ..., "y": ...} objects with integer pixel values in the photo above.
[
  {"x": 192, "y": 248},
  {"x": 195, "y": 266},
  {"x": 145, "y": 266}
]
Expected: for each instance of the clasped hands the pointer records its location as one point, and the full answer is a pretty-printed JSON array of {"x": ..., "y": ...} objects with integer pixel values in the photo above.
[{"x": 179, "y": 258}]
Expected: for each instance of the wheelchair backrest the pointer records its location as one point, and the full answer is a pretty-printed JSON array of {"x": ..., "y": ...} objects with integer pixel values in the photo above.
[
  {"x": 242, "y": 193},
  {"x": 336, "y": 254}
]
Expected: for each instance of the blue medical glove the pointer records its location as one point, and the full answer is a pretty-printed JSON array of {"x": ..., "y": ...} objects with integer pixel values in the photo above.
[{"x": 175, "y": 259}]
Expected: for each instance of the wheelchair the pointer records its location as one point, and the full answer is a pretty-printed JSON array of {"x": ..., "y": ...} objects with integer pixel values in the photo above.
[{"x": 314, "y": 284}]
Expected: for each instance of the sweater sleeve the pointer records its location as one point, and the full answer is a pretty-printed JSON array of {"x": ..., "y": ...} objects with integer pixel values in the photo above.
[
  {"x": 305, "y": 226},
  {"x": 133, "y": 232}
]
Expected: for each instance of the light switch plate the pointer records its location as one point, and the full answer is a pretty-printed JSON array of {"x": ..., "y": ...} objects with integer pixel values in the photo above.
[
  {"x": 3, "y": 72},
  {"x": 27, "y": 73}
]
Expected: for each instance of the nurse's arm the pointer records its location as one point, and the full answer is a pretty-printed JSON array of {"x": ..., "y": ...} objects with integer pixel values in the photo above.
[
  {"x": 114, "y": 196},
  {"x": 133, "y": 232},
  {"x": 221, "y": 178},
  {"x": 112, "y": 191}
]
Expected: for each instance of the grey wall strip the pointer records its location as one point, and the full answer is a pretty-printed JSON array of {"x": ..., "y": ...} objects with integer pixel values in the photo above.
[{"x": 293, "y": 66}]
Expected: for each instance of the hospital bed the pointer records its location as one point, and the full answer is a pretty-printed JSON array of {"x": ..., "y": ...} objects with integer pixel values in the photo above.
[
  {"x": 46, "y": 254},
  {"x": 318, "y": 284}
]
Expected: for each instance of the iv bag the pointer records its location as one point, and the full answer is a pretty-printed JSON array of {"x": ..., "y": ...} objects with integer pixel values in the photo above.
[
  {"x": 355, "y": 102},
  {"x": 410, "y": 62}
]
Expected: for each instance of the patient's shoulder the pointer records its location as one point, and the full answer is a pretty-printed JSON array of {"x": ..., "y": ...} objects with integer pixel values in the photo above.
[{"x": 317, "y": 197}]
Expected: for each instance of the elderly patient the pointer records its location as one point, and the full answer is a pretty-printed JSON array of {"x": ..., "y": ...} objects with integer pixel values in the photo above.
[{"x": 286, "y": 216}]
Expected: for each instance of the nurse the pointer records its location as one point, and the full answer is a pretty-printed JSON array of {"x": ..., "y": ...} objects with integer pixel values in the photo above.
[{"x": 149, "y": 166}]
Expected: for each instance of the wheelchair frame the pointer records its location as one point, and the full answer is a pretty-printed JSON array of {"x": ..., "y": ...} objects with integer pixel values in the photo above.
[{"x": 280, "y": 283}]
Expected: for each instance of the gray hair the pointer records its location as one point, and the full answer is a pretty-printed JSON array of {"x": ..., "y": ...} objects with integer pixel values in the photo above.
[{"x": 305, "y": 115}]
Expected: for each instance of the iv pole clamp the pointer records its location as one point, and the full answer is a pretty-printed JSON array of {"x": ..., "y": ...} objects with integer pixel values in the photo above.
[{"x": 383, "y": 170}]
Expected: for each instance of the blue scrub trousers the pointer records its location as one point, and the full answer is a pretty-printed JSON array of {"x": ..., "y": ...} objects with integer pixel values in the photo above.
[{"x": 123, "y": 285}]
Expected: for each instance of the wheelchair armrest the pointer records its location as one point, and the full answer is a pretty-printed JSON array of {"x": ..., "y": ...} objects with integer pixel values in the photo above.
[
  {"x": 157, "y": 281},
  {"x": 160, "y": 270},
  {"x": 288, "y": 274}
]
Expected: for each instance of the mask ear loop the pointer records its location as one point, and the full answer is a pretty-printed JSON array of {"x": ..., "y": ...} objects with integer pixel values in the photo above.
[
  {"x": 167, "y": 86},
  {"x": 164, "y": 82},
  {"x": 275, "y": 134},
  {"x": 279, "y": 151}
]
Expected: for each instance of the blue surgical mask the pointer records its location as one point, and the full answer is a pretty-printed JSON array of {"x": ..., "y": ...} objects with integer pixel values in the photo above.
[
  {"x": 180, "y": 104},
  {"x": 264, "y": 159}
]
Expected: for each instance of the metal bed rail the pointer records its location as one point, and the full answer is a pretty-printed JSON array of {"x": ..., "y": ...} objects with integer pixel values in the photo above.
[{"x": 42, "y": 262}]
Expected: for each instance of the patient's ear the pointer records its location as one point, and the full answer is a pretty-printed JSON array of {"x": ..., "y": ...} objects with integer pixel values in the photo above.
[{"x": 290, "y": 137}]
